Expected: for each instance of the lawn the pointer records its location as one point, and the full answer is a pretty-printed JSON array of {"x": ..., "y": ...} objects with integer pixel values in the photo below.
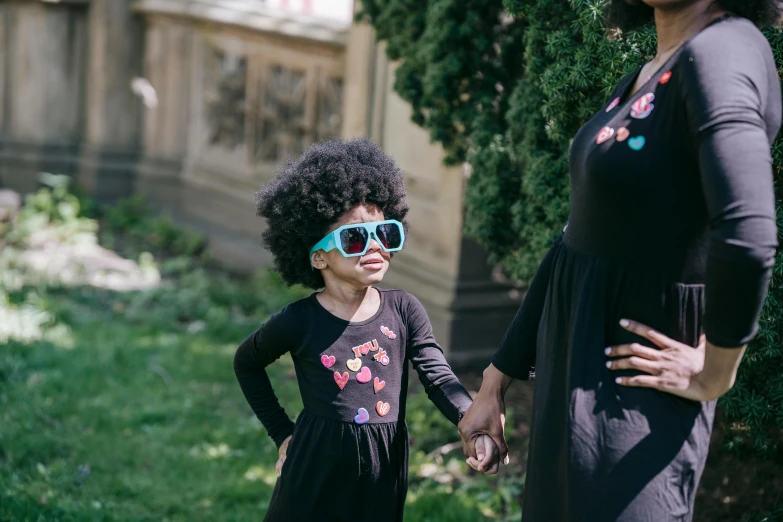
[{"x": 117, "y": 395}]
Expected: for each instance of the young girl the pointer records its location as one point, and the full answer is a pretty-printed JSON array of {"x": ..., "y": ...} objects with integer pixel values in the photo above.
[{"x": 335, "y": 217}]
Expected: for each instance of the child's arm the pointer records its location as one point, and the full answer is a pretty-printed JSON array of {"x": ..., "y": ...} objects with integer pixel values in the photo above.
[
  {"x": 260, "y": 349},
  {"x": 442, "y": 386}
]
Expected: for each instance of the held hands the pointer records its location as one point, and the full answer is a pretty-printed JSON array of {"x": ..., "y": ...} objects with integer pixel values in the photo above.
[
  {"x": 482, "y": 428},
  {"x": 487, "y": 458},
  {"x": 282, "y": 453}
]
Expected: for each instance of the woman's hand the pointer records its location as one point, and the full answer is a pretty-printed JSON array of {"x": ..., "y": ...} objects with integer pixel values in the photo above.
[
  {"x": 703, "y": 373},
  {"x": 281, "y": 455},
  {"x": 486, "y": 416}
]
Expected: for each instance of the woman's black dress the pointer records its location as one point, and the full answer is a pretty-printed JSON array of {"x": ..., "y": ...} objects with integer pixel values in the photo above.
[{"x": 672, "y": 224}]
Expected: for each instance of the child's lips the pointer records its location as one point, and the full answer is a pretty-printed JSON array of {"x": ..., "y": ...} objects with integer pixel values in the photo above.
[{"x": 374, "y": 263}]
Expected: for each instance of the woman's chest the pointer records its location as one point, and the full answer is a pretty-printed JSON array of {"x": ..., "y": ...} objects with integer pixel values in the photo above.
[{"x": 640, "y": 148}]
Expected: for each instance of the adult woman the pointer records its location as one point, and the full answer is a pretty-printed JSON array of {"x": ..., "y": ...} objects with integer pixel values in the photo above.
[{"x": 672, "y": 224}]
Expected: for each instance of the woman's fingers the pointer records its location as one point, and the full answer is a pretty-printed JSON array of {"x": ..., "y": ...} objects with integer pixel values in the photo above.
[
  {"x": 646, "y": 332},
  {"x": 473, "y": 463},
  {"x": 634, "y": 363},
  {"x": 642, "y": 381},
  {"x": 627, "y": 350}
]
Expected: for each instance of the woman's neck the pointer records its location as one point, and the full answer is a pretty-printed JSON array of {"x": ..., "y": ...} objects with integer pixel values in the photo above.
[{"x": 676, "y": 24}]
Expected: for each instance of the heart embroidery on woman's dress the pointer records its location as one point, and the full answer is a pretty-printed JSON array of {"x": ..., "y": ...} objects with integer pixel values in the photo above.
[
  {"x": 328, "y": 360},
  {"x": 614, "y": 104},
  {"x": 362, "y": 416},
  {"x": 642, "y": 107},
  {"x": 382, "y": 408},
  {"x": 341, "y": 380},
  {"x": 605, "y": 134},
  {"x": 665, "y": 77},
  {"x": 354, "y": 364},
  {"x": 378, "y": 384},
  {"x": 364, "y": 376},
  {"x": 637, "y": 143}
]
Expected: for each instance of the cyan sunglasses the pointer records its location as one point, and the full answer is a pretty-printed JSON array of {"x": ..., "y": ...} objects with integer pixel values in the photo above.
[{"x": 354, "y": 240}]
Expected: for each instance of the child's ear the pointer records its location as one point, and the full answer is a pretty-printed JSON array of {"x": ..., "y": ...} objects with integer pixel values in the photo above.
[{"x": 317, "y": 260}]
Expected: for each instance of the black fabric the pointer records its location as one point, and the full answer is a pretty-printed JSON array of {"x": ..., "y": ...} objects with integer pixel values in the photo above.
[
  {"x": 330, "y": 453},
  {"x": 342, "y": 472},
  {"x": 677, "y": 232}
]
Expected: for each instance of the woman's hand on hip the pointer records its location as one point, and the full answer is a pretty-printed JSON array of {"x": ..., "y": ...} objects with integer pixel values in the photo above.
[{"x": 701, "y": 373}]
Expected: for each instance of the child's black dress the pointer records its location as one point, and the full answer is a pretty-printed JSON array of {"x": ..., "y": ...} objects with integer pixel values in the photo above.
[{"x": 348, "y": 458}]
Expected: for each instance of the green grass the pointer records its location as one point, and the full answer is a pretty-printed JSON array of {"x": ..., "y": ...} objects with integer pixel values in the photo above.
[{"x": 124, "y": 406}]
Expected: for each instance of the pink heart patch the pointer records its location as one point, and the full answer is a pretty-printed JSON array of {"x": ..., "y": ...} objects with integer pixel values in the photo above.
[
  {"x": 378, "y": 384},
  {"x": 364, "y": 376},
  {"x": 328, "y": 360},
  {"x": 642, "y": 107},
  {"x": 362, "y": 416},
  {"x": 341, "y": 380},
  {"x": 382, "y": 408}
]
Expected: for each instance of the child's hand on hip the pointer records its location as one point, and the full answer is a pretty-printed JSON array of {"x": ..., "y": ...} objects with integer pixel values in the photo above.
[
  {"x": 488, "y": 455},
  {"x": 282, "y": 452}
]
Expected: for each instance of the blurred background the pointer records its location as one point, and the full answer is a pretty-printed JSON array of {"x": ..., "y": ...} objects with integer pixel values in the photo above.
[{"x": 132, "y": 137}]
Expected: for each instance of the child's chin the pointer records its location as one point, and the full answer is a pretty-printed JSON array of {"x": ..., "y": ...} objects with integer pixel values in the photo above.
[{"x": 373, "y": 278}]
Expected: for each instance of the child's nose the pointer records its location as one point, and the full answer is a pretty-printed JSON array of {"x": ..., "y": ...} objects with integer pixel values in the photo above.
[{"x": 373, "y": 244}]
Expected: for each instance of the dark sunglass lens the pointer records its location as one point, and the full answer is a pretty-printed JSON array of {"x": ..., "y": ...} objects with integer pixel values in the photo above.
[
  {"x": 353, "y": 240},
  {"x": 389, "y": 235}
]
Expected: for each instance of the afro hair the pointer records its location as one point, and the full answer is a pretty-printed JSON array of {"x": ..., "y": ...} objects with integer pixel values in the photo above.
[
  {"x": 628, "y": 15},
  {"x": 309, "y": 195}
]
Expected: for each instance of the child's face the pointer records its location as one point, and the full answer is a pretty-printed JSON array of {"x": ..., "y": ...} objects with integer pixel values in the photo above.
[{"x": 362, "y": 271}]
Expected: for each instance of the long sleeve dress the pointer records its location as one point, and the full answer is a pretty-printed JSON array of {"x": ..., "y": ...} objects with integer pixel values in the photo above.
[
  {"x": 348, "y": 457},
  {"x": 672, "y": 224}
]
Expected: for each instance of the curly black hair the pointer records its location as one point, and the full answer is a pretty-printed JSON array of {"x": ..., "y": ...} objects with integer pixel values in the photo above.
[
  {"x": 632, "y": 14},
  {"x": 309, "y": 195}
]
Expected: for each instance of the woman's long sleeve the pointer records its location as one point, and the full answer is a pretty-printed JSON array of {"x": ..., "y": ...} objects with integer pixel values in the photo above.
[
  {"x": 516, "y": 356},
  {"x": 733, "y": 112}
]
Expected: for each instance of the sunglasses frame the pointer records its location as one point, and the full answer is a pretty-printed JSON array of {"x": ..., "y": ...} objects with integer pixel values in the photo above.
[{"x": 332, "y": 239}]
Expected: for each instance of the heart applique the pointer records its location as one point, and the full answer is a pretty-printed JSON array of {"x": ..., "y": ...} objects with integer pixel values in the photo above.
[
  {"x": 378, "y": 384},
  {"x": 637, "y": 143},
  {"x": 388, "y": 333},
  {"x": 328, "y": 360},
  {"x": 354, "y": 364},
  {"x": 364, "y": 376},
  {"x": 665, "y": 77},
  {"x": 382, "y": 408},
  {"x": 605, "y": 134},
  {"x": 341, "y": 380},
  {"x": 614, "y": 104},
  {"x": 362, "y": 416},
  {"x": 622, "y": 134},
  {"x": 642, "y": 107}
]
